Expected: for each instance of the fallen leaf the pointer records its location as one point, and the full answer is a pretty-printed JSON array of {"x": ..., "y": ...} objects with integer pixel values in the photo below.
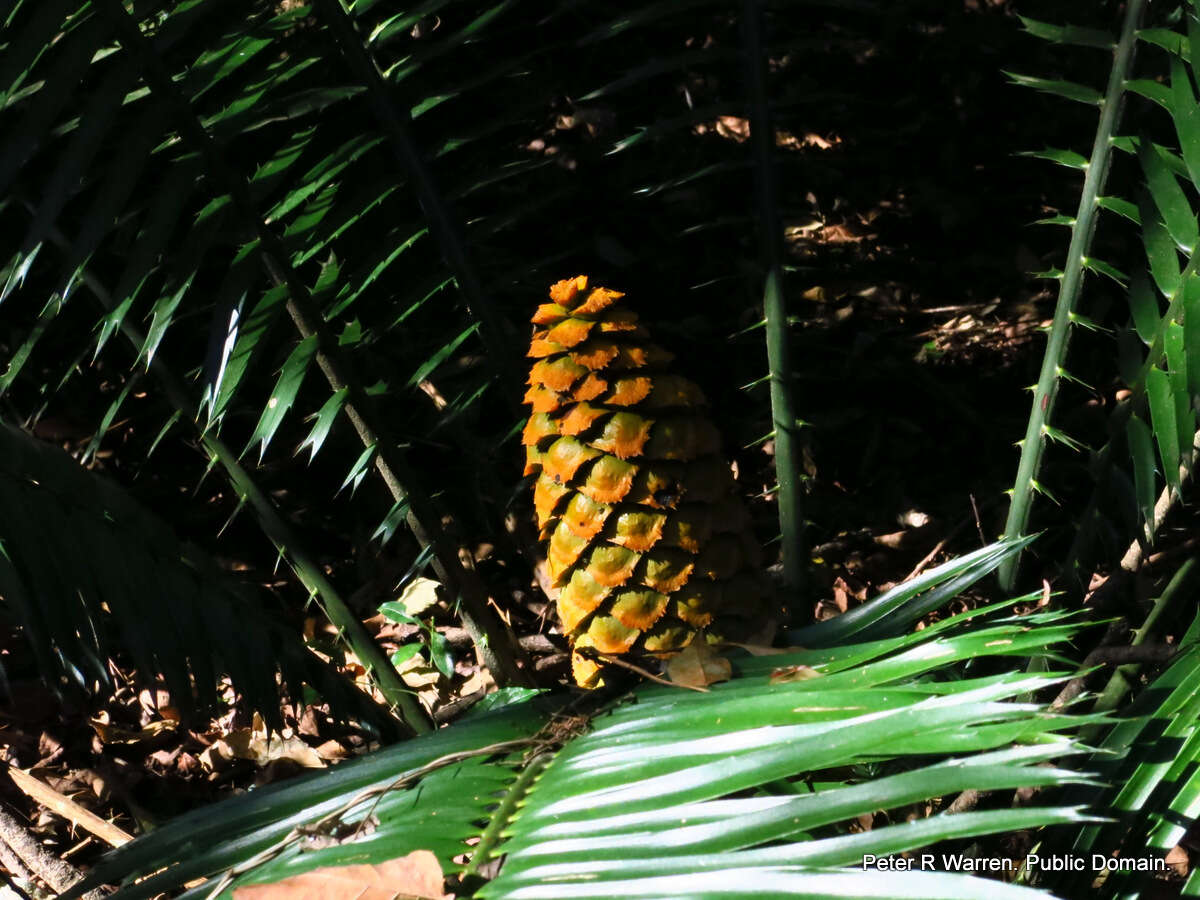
[
  {"x": 1177, "y": 859},
  {"x": 698, "y": 665},
  {"x": 332, "y": 750},
  {"x": 309, "y": 723},
  {"x": 419, "y": 675},
  {"x": 258, "y": 745},
  {"x": 840, "y": 596},
  {"x": 157, "y": 703},
  {"x": 417, "y": 876},
  {"x": 785, "y": 674},
  {"x": 892, "y": 540},
  {"x": 733, "y": 127},
  {"x": 114, "y": 734},
  {"x": 418, "y": 595}
]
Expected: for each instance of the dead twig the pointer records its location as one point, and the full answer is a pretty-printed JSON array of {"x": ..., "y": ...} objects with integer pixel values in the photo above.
[
  {"x": 978, "y": 521},
  {"x": 965, "y": 802},
  {"x": 69, "y": 809},
  {"x": 57, "y": 873},
  {"x": 929, "y": 557},
  {"x": 597, "y": 656},
  {"x": 1114, "y": 656},
  {"x": 938, "y": 548},
  {"x": 15, "y": 866}
]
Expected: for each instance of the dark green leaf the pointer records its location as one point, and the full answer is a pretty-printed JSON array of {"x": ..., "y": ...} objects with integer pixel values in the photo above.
[
  {"x": 1143, "y": 304},
  {"x": 1100, "y": 267},
  {"x": 1068, "y": 89},
  {"x": 426, "y": 368},
  {"x": 1162, "y": 415},
  {"x": 440, "y": 654},
  {"x": 284, "y": 394},
  {"x": 1191, "y": 332},
  {"x": 1121, "y": 207},
  {"x": 397, "y": 612},
  {"x": 1151, "y": 90},
  {"x": 1186, "y": 114},
  {"x": 1068, "y": 158},
  {"x": 325, "y": 418},
  {"x": 1068, "y": 34},
  {"x": 1171, "y": 41},
  {"x": 1160, "y": 249},
  {"x": 359, "y": 470},
  {"x": 1177, "y": 367},
  {"x": 392, "y": 521},
  {"x": 1168, "y": 196},
  {"x": 1141, "y": 448}
]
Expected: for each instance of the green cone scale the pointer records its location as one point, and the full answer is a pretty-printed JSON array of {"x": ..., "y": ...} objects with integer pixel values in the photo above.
[{"x": 644, "y": 535}]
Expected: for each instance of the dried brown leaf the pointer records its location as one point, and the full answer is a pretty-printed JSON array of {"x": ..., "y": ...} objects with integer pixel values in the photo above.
[
  {"x": 698, "y": 665},
  {"x": 114, "y": 734},
  {"x": 417, "y": 876},
  {"x": 786, "y": 674},
  {"x": 258, "y": 745}
]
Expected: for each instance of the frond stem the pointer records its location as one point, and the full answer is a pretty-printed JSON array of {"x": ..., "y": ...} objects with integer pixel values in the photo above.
[
  {"x": 1070, "y": 287},
  {"x": 783, "y": 413}
]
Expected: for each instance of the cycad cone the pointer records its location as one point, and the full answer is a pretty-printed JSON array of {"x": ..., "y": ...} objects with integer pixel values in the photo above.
[{"x": 644, "y": 534}]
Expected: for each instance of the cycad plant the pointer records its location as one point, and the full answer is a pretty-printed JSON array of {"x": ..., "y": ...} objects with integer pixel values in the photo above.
[{"x": 278, "y": 208}]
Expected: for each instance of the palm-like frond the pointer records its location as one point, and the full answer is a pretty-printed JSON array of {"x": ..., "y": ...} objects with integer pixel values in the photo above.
[
  {"x": 1148, "y": 762},
  {"x": 81, "y": 562},
  {"x": 640, "y": 806},
  {"x": 669, "y": 792},
  {"x": 1154, "y": 425},
  {"x": 1083, "y": 226}
]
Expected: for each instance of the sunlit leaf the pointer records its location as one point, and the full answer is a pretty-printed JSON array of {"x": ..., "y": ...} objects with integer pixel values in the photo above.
[
  {"x": 326, "y": 416},
  {"x": 295, "y": 367},
  {"x": 1068, "y": 89}
]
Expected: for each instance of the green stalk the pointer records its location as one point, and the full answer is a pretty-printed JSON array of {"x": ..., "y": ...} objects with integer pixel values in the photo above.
[
  {"x": 502, "y": 818},
  {"x": 785, "y": 425},
  {"x": 496, "y": 645},
  {"x": 1046, "y": 390}
]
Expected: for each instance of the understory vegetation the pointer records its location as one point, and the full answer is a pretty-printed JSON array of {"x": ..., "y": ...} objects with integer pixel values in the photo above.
[{"x": 278, "y": 610}]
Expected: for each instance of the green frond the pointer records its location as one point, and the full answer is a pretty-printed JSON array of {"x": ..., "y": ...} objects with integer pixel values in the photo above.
[
  {"x": 131, "y": 584},
  {"x": 1026, "y": 483},
  {"x": 1146, "y": 763},
  {"x": 751, "y": 778}
]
